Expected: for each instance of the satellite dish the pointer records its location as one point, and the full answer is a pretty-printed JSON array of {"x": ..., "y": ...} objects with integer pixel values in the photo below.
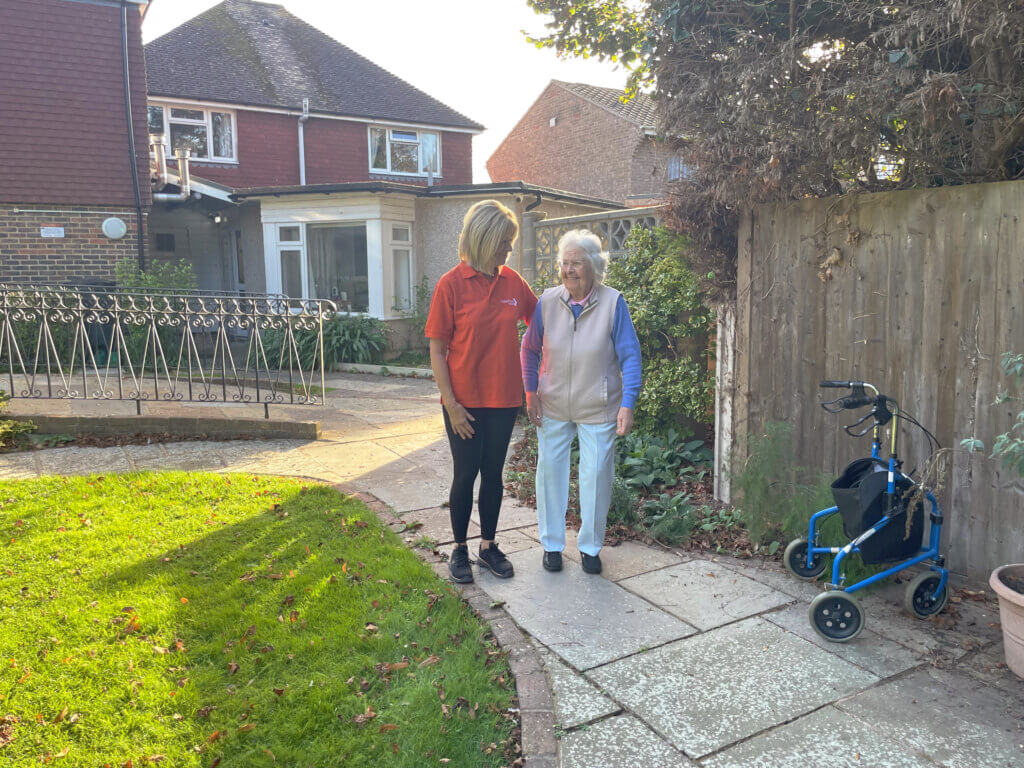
[{"x": 115, "y": 228}]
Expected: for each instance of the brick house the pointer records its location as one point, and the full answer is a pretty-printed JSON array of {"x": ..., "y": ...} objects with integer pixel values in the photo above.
[
  {"x": 313, "y": 172},
  {"x": 70, "y": 205},
  {"x": 316, "y": 173},
  {"x": 558, "y": 141}
]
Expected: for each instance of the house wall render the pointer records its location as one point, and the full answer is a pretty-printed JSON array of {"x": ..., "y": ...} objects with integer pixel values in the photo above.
[{"x": 923, "y": 293}]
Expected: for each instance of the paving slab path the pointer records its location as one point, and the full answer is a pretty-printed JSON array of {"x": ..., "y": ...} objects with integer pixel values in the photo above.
[{"x": 669, "y": 658}]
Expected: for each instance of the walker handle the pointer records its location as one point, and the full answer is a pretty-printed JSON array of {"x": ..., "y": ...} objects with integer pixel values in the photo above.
[{"x": 836, "y": 384}]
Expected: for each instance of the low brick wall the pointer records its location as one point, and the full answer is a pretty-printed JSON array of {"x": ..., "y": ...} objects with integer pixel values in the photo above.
[
  {"x": 84, "y": 255},
  {"x": 215, "y": 429}
]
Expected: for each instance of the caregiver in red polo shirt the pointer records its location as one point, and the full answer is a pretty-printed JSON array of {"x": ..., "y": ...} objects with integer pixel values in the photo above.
[{"x": 474, "y": 351}]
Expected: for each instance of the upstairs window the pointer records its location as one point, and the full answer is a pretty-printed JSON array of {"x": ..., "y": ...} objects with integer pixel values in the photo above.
[
  {"x": 208, "y": 133},
  {"x": 677, "y": 169},
  {"x": 404, "y": 152}
]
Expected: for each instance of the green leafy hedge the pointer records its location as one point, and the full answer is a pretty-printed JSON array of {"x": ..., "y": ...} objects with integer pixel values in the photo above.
[{"x": 673, "y": 326}]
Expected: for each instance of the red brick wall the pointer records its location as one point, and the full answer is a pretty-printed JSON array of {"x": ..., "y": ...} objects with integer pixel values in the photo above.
[
  {"x": 588, "y": 151},
  {"x": 336, "y": 151},
  {"x": 63, "y": 138},
  {"x": 83, "y": 256}
]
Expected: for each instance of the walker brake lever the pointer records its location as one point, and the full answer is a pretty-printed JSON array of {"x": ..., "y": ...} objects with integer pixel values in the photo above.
[
  {"x": 836, "y": 409},
  {"x": 849, "y": 427}
]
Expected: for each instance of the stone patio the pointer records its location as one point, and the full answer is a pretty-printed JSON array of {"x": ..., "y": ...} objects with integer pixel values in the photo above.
[{"x": 670, "y": 658}]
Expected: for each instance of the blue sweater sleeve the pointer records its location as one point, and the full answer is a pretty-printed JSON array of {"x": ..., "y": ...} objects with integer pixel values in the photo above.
[
  {"x": 627, "y": 347},
  {"x": 529, "y": 354}
]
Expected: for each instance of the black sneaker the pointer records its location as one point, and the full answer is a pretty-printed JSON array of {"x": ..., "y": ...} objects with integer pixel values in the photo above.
[
  {"x": 552, "y": 561},
  {"x": 494, "y": 560},
  {"x": 591, "y": 563},
  {"x": 458, "y": 566}
]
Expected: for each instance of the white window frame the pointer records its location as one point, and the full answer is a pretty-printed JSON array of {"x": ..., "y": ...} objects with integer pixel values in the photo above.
[
  {"x": 298, "y": 246},
  {"x": 388, "y": 130},
  {"x": 394, "y": 245},
  {"x": 207, "y": 121}
]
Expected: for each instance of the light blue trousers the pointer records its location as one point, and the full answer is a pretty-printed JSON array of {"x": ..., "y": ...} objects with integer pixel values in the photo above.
[{"x": 597, "y": 470}]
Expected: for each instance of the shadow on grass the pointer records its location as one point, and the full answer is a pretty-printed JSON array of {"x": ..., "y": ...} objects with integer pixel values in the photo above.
[{"x": 276, "y": 629}]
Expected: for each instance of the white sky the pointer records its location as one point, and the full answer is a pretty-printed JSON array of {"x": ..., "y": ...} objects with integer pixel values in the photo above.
[{"x": 469, "y": 54}]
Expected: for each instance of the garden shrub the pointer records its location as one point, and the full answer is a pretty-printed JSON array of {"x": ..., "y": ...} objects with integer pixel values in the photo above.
[
  {"x": 347, "y": 339},
  {"x": 776, "y": 498},
  {"x": 10, "y": 429},
  {"x": 1009, "y": 446},
  {"x": 158, "y": 277},
  {"x": 669, "y": 518},
  {"x": 625, "y": 500},
  {"x": 672, "y": 325}
]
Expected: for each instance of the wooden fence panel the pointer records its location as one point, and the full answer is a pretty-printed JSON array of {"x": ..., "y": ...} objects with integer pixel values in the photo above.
[{"x": 919, "y": 292}]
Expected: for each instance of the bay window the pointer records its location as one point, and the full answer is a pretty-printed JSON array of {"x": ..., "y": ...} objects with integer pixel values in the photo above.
[
  {"x": 404, "y": 152},
  {"x": 208, "y": 133}
]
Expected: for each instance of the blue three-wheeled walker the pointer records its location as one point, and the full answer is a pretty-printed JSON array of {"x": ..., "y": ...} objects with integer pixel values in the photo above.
[{"x": 882, "y": 511}]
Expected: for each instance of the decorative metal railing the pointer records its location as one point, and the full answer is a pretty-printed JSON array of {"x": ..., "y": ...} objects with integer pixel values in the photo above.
[
  {"x": 613, "y": 227},
  {"x": 65, "y": 343}
]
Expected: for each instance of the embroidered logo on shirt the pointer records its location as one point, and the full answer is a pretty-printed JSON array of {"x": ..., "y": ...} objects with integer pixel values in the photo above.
[{"x": 510, "y": 302}]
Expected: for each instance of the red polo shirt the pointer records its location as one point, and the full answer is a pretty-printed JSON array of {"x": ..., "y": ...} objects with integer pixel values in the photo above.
[{"x": 478, "y": 319}]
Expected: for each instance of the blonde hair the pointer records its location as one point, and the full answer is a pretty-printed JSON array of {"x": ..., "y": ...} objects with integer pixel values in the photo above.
[
  {"x": 591, "y": 246},
  {"x": 486, "y": 226}
]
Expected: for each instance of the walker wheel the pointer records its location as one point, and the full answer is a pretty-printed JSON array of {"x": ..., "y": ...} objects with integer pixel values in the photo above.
[
  {"x": 795, "y": 560},
  {"x": 920, "y": 598},
  {"x": 836, "y": 616}
]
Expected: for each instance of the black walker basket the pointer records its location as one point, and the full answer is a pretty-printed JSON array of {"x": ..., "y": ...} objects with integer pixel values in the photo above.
[{"x": 860, "y": 495}]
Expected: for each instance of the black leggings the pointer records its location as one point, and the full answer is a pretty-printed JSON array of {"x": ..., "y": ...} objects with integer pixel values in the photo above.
[{"x": 483, "y": 454}]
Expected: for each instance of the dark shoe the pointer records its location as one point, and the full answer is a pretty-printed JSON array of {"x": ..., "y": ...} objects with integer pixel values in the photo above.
[
  {"x": 459, "y": 567},
  {"x": 494, "y": 560},
  {"x": 591, "y": 563},
  {"x": 552, "y": 561}
]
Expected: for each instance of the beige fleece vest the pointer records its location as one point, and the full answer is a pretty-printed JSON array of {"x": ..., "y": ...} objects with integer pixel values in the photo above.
[{"x": 580, "y": 380}]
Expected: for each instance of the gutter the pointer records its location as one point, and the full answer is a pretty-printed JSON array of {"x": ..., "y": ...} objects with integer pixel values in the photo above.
[
  {"x": 133, "y": 157},
  {"x": 302, "y": 141},
  {"x": 384, "y": 187}
]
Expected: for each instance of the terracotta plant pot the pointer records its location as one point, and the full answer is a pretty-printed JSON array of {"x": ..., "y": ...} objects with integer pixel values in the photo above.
[{"x": 1011, "y": 613}]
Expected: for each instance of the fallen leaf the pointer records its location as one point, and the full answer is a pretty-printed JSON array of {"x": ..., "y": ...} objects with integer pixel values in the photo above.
[
  {"x": 388, "y": 727},
  {"x": 61, "y": 715},
  {"x": 397, "y": 665},
  {"x": 270, "y": 753},
  {"x": 293, "y": 616},
  {"x": 184, "y": 600},
  {"x": 368, "y": 715},
  {"x": 232, "y": 667},
  {"x": 159, "y": 649},
  {"x": 279, "y": 691},
  {"x": 371, "y": 627},
  {"x": 288, "y": 599},
  {"x": 247, "y": 727},
  {"x": 215, "y": 736},
  {"x": 430, "y": 660}
]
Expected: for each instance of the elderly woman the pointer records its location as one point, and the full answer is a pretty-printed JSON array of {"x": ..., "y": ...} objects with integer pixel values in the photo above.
[
  {"x": 473, "y": 327},
  {"x": 581, "y": 371}
]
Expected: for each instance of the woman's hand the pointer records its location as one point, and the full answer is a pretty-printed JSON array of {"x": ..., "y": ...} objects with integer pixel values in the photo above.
[
  {"x": 533, "y": 409},
  {"x": 460, "y": 418},
  {"x": 624, "y": 424}
]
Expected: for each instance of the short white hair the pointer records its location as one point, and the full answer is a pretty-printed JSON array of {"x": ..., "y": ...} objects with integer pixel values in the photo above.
[{"x": 591, "y": 246}]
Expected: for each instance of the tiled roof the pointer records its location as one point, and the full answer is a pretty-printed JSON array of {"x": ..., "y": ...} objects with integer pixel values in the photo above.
[
  {"x": 639, "y": 109},
  {"x": 257, "y": 54}
]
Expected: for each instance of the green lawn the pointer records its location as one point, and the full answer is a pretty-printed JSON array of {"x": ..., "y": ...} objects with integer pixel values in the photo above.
[{"x": 197, "y": 620}]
